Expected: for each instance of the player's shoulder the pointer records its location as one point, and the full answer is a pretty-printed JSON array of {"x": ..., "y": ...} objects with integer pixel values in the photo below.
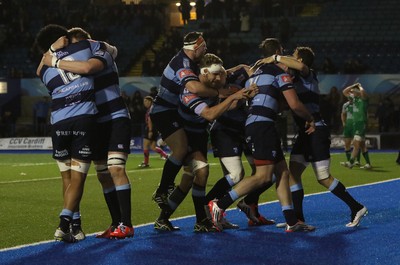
[{"x": 272, "y": 69}]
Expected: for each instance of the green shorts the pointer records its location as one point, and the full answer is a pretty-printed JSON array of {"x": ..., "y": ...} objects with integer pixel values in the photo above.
[
  {"x": 359, "y": 128},
  {"x": 348, "y": 131}
]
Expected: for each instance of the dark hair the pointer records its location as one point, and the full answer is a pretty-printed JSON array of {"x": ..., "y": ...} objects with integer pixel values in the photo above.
[
  {"x": 307, "y": 54},
  {"x": 269, "y": 47},
  {"x": 209, "y": 59},
  {"x": 48, "y": 35},
  {"x": 78, "y": 33},
  {"x": 191, "y": 37}
]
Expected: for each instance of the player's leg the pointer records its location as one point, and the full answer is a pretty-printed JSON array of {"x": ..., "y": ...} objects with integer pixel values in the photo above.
[{"x": 322, "y": 172}]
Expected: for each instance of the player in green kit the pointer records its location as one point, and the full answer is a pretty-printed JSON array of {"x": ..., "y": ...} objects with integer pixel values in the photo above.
[
  {"x": 360, "y": 119},
  {"x": 348, "y": 131}
]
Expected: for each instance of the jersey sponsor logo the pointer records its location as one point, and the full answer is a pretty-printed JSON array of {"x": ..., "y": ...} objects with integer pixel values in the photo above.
[
  {"x": 286, "y": 79},
  {"x": 99, "y": 53},
  {"x": 60, "y": 54},
  {"x": 61, "y": 153},
  {"x": 188, "y": 98},
  {"x": 185, "y": 73}
]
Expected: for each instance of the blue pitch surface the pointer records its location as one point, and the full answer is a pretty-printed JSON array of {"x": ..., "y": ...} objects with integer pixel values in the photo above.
[{"x": 375, "y": 241}]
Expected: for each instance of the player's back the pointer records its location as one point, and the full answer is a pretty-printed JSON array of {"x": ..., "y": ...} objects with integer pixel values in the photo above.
[
  {"x": 72, "y": 94},
  {"x": 308, "y": 92},
  {"x": 180, "y": 70},
  {"x": 271, "y": 81},
  {"x": 108, "y": 93}
]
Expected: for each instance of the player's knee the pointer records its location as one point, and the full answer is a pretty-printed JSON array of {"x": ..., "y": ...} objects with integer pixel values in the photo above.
[
  {"x": 117, "y": 160},
  {"x": 358, "y": 138},
  {"x": 235, "y": 169},
  {"x": 236, "y": 175},
  {"x": 64, "y": 165},
  {"x": 101, "y": 168},
  {"x": 197, "y": 165},
  {"x": 322, "y": 173},
  {"x": 79, "y": 166},
  {"x": 235, "y": 178}
]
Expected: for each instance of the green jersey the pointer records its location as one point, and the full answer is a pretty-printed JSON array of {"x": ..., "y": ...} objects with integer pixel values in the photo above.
[
  {"x": 348, "y": 109},
  {"x": 348, "y": 131},
  {"x": 360, "y": 109}
]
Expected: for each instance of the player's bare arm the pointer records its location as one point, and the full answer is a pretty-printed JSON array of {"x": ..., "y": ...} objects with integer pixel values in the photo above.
[
  {"x": 349, "y": 90},
  {"x": 211, "y": 113},
  {"x": 78, "y": 67},
  {"x": 200, "y": 89}
]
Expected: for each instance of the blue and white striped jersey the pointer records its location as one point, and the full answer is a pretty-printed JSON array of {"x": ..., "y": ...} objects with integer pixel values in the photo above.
[
  {"x": 271, "y": 81},
  {"x": 180, "y": 70},
  {"x": 72, "y": 94},
  {"x": 108, "y": 93},
  {"x": 307, "y": 90},
  {"x": 190, "y": 108}
]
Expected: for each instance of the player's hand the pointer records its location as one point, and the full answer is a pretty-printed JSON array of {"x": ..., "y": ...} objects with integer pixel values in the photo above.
[
  {"x": 252, "y": 90},
  {"x": 310, "y": 127},
  {"x": 262, "y": 61},
  {"x": 47, "y": 58},
  {"x": 60, "y": 43},
  {"x": 241, "y": 94}
]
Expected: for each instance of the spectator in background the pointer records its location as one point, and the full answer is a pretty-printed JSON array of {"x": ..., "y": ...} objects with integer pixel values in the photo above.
[
  {"x": 200, "y": 9},
  {"x": 384, "y": 114},
  {"x": 41, "y": 112},
  {"x": 244, "y": 20},
  {"x": 328, "y": 67},
  {"x": 137, "y": 111},
  {"x": 185, "y": 8},
  {"x": 8, "y": 120},
  {"x": 150, "y": 136},
  {"x": 334, "y": 100},
  {"x": 126, "y": 98}
]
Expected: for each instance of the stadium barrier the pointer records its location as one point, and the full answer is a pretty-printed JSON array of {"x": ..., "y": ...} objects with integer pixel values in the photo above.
[
  {"x": 373, "y": 141},
  {"x": 44, "y": 143}
]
